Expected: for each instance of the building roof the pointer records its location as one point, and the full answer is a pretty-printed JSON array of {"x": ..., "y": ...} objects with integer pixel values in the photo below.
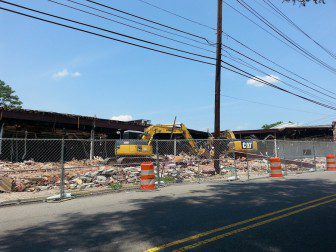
[
  {"x": 75, "y": 122},
  {"x": 285, "y": 125},
  {"x": 54, "y": 117}
]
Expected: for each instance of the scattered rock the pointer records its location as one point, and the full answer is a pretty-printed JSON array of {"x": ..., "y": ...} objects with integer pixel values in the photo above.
[
  {"x": 101, "y": 179},
  {"x": 78, "y": 181},
  {"x": 19, "y": 186}
]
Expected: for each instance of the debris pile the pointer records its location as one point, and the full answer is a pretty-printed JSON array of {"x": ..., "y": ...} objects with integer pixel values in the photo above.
[{"x": 30, "y": 176}]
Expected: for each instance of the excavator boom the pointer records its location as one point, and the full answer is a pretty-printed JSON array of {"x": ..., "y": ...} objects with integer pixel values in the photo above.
[{"x": 144, "y": 147}]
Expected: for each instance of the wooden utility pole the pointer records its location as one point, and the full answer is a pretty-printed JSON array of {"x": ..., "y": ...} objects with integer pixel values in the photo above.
[{"x": 218, "y": 86}]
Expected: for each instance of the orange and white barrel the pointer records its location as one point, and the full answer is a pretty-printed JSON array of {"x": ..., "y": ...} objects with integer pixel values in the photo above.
[
  {"x": 147, "y": 176},
  {"x": 331, "y": 163},
  {"x": 275, "y": 165}
]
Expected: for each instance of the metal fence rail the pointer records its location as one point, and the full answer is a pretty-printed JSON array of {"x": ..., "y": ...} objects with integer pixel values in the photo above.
[{"x": 34, "y": 168}]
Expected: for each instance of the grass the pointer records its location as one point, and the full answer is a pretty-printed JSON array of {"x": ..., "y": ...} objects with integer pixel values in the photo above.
[
  {"x": 116, "y": 186},
  {"x": 167, "y": 179}
]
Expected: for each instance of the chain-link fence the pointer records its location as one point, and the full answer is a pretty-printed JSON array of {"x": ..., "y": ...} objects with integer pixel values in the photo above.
[{"x": 39, "y": 168}]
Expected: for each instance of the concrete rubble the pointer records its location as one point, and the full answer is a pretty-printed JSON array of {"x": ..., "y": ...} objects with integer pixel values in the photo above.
[{"x": 30, "y": 176}]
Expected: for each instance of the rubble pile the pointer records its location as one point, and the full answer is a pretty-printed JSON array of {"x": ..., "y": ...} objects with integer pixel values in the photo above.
[
  {"x": 307, "y": 164},
  {"x": 30, "y": 176}
]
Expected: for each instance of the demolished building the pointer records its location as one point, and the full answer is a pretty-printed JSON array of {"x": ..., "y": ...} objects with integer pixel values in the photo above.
[
  {"x": 24, "y": 123},
  {"x": 292, "y": 132}
]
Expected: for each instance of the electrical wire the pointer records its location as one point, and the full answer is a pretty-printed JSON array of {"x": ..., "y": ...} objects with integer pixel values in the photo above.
[
  {"x": 271, "y": 34},
  {"x": 131, "y": 26},
  {"x": 282, "y": 67},
  {"x": 240, "y": 61},
  {"x": 109, "y": 31},
  {"x": 197, "y": 22},
  {"x": 232, "y": 69},
  {"x": 177, "y": 15},
  {"x": 139, "y": 23},
  {"x": 148, "y": 20},
  {"x": 250, "y": 76},
  {"x": 284, "y": 16},
  {"x": 272, "y": 69},
  {"x": 104, "y": 36},
  {"x": 270, "y": 105},
  {"x": 283, "y": 35}
]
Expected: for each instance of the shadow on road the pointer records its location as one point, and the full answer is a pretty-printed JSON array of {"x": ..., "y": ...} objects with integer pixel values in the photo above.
[{"x": 164, "y": 219}]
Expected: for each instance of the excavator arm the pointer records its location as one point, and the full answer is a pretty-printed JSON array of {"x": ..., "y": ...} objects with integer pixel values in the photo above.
[{"x": 173, "y": 129}]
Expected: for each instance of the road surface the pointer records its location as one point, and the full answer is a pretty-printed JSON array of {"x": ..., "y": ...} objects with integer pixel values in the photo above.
[{"x": 295, "y": 214}]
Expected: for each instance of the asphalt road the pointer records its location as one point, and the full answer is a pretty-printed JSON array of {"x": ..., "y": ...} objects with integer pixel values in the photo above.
[{"x": 295, "y": 214}]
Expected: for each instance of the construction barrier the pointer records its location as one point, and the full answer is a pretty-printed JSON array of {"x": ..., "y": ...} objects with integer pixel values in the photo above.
[
  {"x": 331, "y": 164},
  {"x": 147, "y": 176},
  {"x": 276, "y": 170}
]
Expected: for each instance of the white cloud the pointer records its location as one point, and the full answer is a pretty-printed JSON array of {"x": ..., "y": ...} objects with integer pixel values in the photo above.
[
  {"x": 61, "y": 74},
  {"x": 124, "y": 118},
  {"x": 76, "y": 74},
  {"x": 257, "y": 83},
  {"x": 65, "y": 73}
]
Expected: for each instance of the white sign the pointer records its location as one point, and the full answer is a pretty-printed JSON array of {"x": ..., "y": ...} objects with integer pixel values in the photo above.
[{"x": 247, "y": 145}]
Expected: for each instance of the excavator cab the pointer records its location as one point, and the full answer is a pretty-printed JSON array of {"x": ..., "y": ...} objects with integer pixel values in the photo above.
[
  {"x": 132, "y": 144},
  {"x": 239, "y": 146},
  {"x": 132, "y": 134}
]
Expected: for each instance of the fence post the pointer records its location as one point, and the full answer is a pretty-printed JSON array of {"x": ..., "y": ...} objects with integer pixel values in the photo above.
[
  {"x": 284, "y": 165},
  {"x": 275, "y": 148},
  {"x": 248, "y": 168},
  {"x": 175, "y": 147},
  {"x": 158, "y": 163},
  {"x": 92, "y": 145},
  {"x": 314, "y": 150},
  {"x": 234, "y": 158},
  {"x": 1, "y": 135},
  {"x": 62, "y": 193}
]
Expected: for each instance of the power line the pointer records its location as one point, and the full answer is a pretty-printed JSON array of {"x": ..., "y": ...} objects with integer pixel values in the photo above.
[
  {"x": 237, "y": 41},
  {"x": 145, "y": 41},
  {"x": 139, "y": 23},
  {"x": 131, "y": 26},
  {"x": 240, "y": 61},
  {"x": 319, "y": 119},
  {"x": 235, "y": 69},
  {"x": 177, "y": 15},
  {"x": 271, "y": 34},
  {"x": 279, "y": 12},
  {"x": 272, "y": 69},
  {"x": 269, "y": 105},
  {"x": 185, "y": 18},
  {"x": 283, "y": 35},
  {"x": 104, "y": 36},
  {"x": 148, "y": 20},
  {"x": 269, "y": 60},
  {"x": 248, "y": 75},
  {"x": 110, "y": 31}
]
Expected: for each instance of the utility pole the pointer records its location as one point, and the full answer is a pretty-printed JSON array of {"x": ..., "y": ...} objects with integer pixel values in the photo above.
[{"x": 218, "y": 85}]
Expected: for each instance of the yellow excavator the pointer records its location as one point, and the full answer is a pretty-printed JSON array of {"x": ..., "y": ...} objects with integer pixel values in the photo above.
[
  {"x": 139, "y": 144},
  {"x": 239, "y": 146}
]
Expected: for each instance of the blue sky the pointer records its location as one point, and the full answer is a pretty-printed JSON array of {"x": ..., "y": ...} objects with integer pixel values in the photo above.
[{"x": 56, "y": 69}]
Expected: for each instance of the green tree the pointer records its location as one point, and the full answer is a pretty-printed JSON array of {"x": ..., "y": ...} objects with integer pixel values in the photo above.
[
  {"x": 268, "y": 126},
  {"x": 304, "y": 2},
  {"x": 8, "y": 99}
]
